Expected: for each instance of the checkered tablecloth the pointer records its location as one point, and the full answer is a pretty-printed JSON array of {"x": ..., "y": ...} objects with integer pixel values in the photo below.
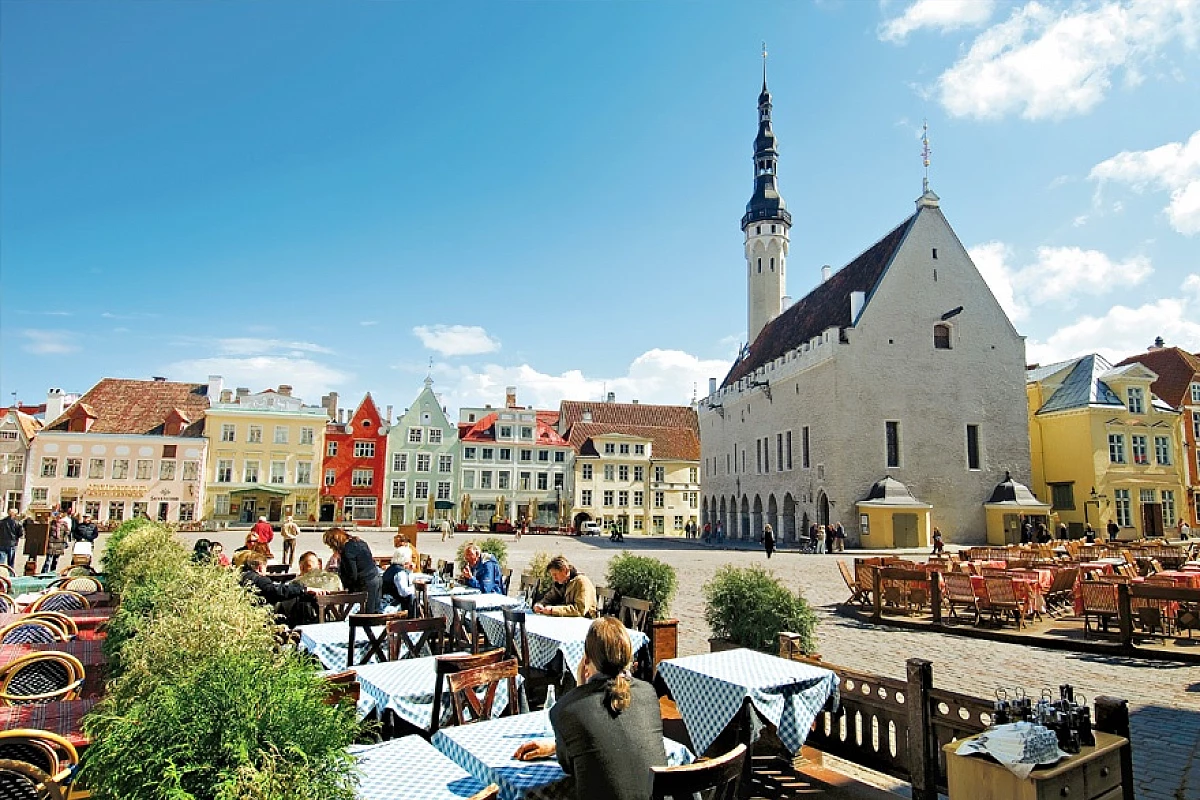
[
  {"x": 410, "y": 769},
  {"x": 64, "y": 718},
  {"x": 406, "y": 688},
  {"x": 710, "y": 689},
  {"x": 549, "y": 636},
  {"x": 485, "y": 750},
  {"x": 87, "y": 619},
  {"x": 328, "y": 642},
  {"x": 442, "y": 605},
  {"x": 448, "y": 589}
]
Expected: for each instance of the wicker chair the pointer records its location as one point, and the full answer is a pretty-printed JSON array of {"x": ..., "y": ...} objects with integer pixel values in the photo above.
[
  {"x": 28, "y": 631},
  {"x": 8, "y": 604},
  {"x": 60, "y": 600},
  {"x": 68, "y": 626},
  {"x": 7, "y": 571},
  {"x": 959, "y": 593},
  {"x": 84, "y": 584},
  {"x": 1100, "y": 603},
  {"x": 5, "y": 584},
  {"x": 20, "y": 780},
  {"x": 40, "y": 677},
  {"x": 1003, "y": 600},
  {"x": 51, "y": 754}
]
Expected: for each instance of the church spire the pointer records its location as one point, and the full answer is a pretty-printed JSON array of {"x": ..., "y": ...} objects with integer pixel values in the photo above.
[{"x": 766, "y": 202}]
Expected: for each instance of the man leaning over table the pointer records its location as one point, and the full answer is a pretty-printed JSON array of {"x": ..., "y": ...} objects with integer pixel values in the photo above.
[
  {"x": 572, "y": 595},
  {"x": 482, "y": 571}
]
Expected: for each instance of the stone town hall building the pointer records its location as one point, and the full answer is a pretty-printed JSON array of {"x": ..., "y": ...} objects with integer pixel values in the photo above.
[{"x": 890, "y": 397}]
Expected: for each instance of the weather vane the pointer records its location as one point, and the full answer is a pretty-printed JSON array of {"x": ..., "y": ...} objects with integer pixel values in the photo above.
[{"x": 925, "y": 151}]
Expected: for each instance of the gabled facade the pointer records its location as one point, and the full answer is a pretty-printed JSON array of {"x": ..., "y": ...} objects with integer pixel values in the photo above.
[
  {"x": 1105, "y": 447},
  {"x": 422, "y": 463},
  {"x": 514, "y": 465},
  {"x": 353, "y": 470},
  {"x": 635, "y": 465},
  {"x": 265, "y": 453},
  {"x": 1178, "y": 384},
  {"x": 901, "y": 364},
  {"x": 17, "y": 430},
  {"x": 126, "y": 449}
]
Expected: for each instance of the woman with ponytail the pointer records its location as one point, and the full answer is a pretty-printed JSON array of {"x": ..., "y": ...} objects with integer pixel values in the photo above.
[{"x": 607, "y": 730}]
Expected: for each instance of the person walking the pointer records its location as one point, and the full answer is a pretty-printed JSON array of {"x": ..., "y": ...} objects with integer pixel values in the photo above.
[
  {"x": 11, "y": 531},
  {"x": 1185, "y": 530},
  {"x": 56, "y": 541},
  {"x": 445, "y": 529},
  {"x": 839, "y": 538},
  {"x": 822, "y": 539},
  {"x": 290, "y": 532},
  {"x": 1114, "y": 530},
  {"x": 707, "y": 532},
  {"x": 768, "y": 539},
  {"x": 719, "y": 531},
  {"x": 938, "y": 544}
]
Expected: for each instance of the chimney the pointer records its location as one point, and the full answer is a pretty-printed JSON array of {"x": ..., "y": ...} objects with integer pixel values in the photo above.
[
  {"x": 826, "y": 271},
  {"x": 510, "y": 397},
  {"x": 54, "y": 405},
  {"x": 330, "y": 403},
  {"x": 388, "y": 419},
  {"x": 611, "y": 397},
  {"x": 341, "y": 416},
  {"x": 785, "y": 303},
  {"x": 159, "y": 379},
  {"x": 215, "y": 385},
  {"x": 857, "y": 299},
  {"x": 226, "y": 395},
  {"x": 712, "y": 386},
  {"x": 634, "y": 402},
  {"x": 1158, "y": 343},
  {"x": 242, "y": 391},
  {"x": 587, "y": 416},
  {"x": 285, "y": 390}
]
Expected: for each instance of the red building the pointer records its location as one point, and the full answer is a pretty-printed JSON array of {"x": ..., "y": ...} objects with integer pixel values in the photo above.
[{"x": 353, "y": 467}]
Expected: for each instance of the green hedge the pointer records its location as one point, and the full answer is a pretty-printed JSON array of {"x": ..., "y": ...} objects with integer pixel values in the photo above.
[
  {"x": 750, "y": 606},
  {"x": 644, "y": 578}
]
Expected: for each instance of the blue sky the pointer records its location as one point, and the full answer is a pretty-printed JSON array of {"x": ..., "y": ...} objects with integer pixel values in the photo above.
[{"x": 547, "y": 194}]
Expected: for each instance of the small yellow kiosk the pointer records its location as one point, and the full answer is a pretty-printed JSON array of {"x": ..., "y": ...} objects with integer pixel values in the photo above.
[
  {"x": 1010, "y": 502},
  {"x": 890, "y": 517}
]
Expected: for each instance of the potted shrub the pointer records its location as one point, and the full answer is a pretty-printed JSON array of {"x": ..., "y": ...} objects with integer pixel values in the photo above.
[
  {"x": 749, "y": 607},
  {"x": 649, "y": 579}
]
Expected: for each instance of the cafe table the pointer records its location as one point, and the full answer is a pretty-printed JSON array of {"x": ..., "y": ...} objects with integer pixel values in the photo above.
[
  {"x": 328, "y": 642},
  {"x": 485, "y": 750},
  {"x": 30, "y": 584},
  {"x": 442, "y": 604},
  {"x": 410, "y": 769},
  {"x": 550, "y": 637},
  {"x": 64, "y": 718},
  {"x": 712, "y": 689},
  {"x": 406, "y": 689},
  {"x": 86, "y": 619}
]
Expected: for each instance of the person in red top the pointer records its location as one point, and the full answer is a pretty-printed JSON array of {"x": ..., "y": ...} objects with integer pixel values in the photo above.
[{"x": 264, "y": 530}]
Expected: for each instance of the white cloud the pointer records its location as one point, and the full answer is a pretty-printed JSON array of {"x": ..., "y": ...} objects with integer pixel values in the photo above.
[
  {"x": 456, "y": 340},
  {"x": 656, "y": 376},
  {"x": 48, "y": 343},
  {"x": 1042, "y": 63},
  {"x": 1173, "y": 167},
  {"x": 309, "y": 379},
  {"x": 367, "y": 323},
  {"x": 942, "y": 15},
  {"x": 250, "y": 346},
  {"x": 1058, "y": 276}
]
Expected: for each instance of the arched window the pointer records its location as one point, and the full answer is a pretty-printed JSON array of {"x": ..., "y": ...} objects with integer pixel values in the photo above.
[
  {"x": 772, "y": 265},
  {"x": 941, "y": 336}
]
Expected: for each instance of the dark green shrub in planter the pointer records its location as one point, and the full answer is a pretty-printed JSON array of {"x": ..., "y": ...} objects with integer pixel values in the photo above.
[
  {"x": 490, "y": 544},
  {"x": 538, "y": 569},
  {"x": 645, "y": 578},
  {"x": 750, "y": 606}
]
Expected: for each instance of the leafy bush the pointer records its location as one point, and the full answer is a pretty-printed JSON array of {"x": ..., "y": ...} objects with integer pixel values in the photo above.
[
  {"x": 538, "y": 569},
  {"x": 645, "y": 578},
  {"x": 129, "y": 546},
  {"x": 750, "y": 606},
  {"x": 246, "y": 725},
  {"x": 490, "y": 544}
]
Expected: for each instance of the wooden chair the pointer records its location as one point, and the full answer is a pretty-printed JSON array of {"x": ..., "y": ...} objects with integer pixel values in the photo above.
[
  {"x": 466, "y": 684},
  {"x": 1061, "y": 594},
  {"x": 430, "y": 633},
  {"x": 336, "y": 606},
  {"x": 40, "y": 677},
  {"x": 721, "y": 776},
  {"x": 1003, "y": 600},
  {"x": 856, "y": 595},
  {"x": 58, "y": 619},
  {"x": 464, "y": 625},
  {"x": 343, "y": 687},
  {"x": 377, "y": 643},
  {"x": 506, "y": 578},
  {"x": 864, "y": 579},
  {"x": 607, "y": 604},
  {"x": 960, "y": 594},
  {"x": 421, "y": 607},
  {"x": 636, "y": 614},
  {"x": 448, "y": 665},
  {"x": 446, "y": 570},
  {"x": 516, "y": 646},
  {"x": 84, "y": 584},
  {"x": 8, "y": 604},
  {"x": 1099, "y": 602},
  {"x": 489, "y": 792},
  {"x": 31, "y": 631},
  {"x": 60, "y": 600},
  {"x": 529, "y": 588}
]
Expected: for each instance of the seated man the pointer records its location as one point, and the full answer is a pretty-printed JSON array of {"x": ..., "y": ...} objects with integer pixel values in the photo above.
[
  {"x": 294, "y": 601},
  {"x": 572, "y": 595},
  {"x": 312, "y": 575},
  {"x": 397, "y": 590},
  {"x": 482, "y": 571}
]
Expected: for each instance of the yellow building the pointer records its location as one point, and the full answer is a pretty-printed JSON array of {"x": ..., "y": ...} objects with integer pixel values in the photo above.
[
  {"x": 1105, "y": 448},
  {"x": 265, "y": 454},
  {"x": 636, "y": 465}
]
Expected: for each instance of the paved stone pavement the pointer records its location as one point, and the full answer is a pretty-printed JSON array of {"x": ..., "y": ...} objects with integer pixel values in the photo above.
[{"x": 1164, "y": 697}]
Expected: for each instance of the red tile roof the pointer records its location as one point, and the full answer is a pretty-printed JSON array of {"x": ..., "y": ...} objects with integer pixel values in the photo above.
[
  {"x": 140, "y": 407},
  {"x": 674, "y": 431},
  {"x": 485, "y": 431},
  {"x": 628, "y": 414},
  {"x": 1176, "y": 368},
  {"x": 676, "y": 444},
  {"x": 29, "y": 424},
  {"x": 827, "y": 306}
]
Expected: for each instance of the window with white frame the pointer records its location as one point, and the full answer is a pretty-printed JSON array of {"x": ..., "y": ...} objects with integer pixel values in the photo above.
[
  {"x": 92, "y": 509},
  {"x": 506, "y": 431},
  {"x": 469, "y": 453},
  {"x": 8, "y": 436},
  {"x": 1116, "y": 448},
  {"x": 116, "y": 509},
  {"x": 693, "y": 474},
  {"x": 228, "y": 432},
  {"x": 608, "y": 498},
  {"x": 526, "y": 433},
  {"x": 660, "y": 474},
  {"x": 524, "y": 481},
  {"x": 74, "y": 467},
  {"x": 443, "y": 490},
  {"x": 525, "y": 454},
  {"x": 624, "y": 449},
  {"x": 306, "y": 436},
  {"x": 657, "y": 523},
  {"x": 166, "y": 470},
  {"x": 225, "y": 470},
  {"x": 660, "y": 499},
  {"x": 250, "y": 472},
  {"x": 399, "y": 462},
  {"x": 120, "y": 469},
  {"x": 623, "y": 498},
  {"x": 255, "y": 434},
  {"x": 445, "y": 463},
  {"x": 12, "y": 499},
  {"x": 435, "y": 435},
  {"x": 585, "y": 472},
  {"x": 1162, "y": 450},
  {"x": 560, "y": 457},
  {"x": 694, "y": 499},
  {"x": 399, "y": 489},
  {"x": 359, "y": 508},
  {"x": 585, "y": 497},
  {"x": 488, "y": 454},
  {"x": 278, "y": 472},
  {"x": 191, "y": 470},
  {"x": 187, "y": 512},
  {"x": 330, "y": 477},
  {"x": 303, "y": 472},
  {"x": 95, "y": 468},
  {"x": 678, "y": 523},
  {"x": 423, "y": 462},
  {"x": 1196, "y": 393},
  {"x": 414, "y": 435},
  {"x": 362, "y": 477},
  {"x": 1121, "y": 504},
  {"x": 1137, "y": 448},
  {"x": 503, "y": 477},
  {"x": 330, "y": 449},
  {"x": 506, "y": 454},
  {"x": 1137, "y": 400},
  {"x": 623, "y": 472},
  {"x": 421, "y": 490},
  {"x": 1168, "y": 508},
  {"x": 16, "y": 463},
  {"x": 364, "y": 449},
  {"x": 638, "y": 523},
  {"x": 1196, "y": 425},
  {"x": 302, "y": 509},
  {"x": 639, "y": 498},
  {"x": 544, "y": 456},
  {"x": 543, "y": 481},
  {"x": 485, "y": 479},
  {"x": 281, "y": 434},
  {"x": 639, "y": 474},
  {"x": 609, "y": 472},
  {"x": 639, "y": 449},
  {"x": 39, "y": 495},
  {"x": 144, "y": 465},
  {"x": 468, "y": 479}
]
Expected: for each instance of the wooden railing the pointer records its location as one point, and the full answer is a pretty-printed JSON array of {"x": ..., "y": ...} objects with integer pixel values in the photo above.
[{"x": 898, "y": 727}]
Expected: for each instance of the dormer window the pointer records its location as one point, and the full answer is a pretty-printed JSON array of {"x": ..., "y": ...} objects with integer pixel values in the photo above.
[
  {"x": 941, "y": 336},
  {"x": 1196, "y": 394},
  {"x": 1136, "y": 398}
]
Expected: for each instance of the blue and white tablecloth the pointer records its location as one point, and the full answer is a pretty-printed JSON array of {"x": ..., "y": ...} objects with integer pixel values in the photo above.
[
  {"x": 406, "y": 688},
  {"x": 710, "y": 689},
  {"x": 328, "y": 642},
  {"x": 441, "y": 605},
  {"x": 549, "y": 636},
  {"x": 410, "y": 769},
  {"x": 485, "y": 750}
]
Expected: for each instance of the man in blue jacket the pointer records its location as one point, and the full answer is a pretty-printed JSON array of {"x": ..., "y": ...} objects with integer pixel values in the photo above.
[{"x": 482, "y": 571}]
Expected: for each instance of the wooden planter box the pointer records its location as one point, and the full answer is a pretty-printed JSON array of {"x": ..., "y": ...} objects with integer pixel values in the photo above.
[
  {"x": 721, "y": 645},
  {"x": 664, "y": 640}
]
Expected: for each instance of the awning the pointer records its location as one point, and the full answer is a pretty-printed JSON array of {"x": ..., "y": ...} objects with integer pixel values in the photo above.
[
  {"x": 262, "y": 489},
  {"x": 443, "y": 504}
]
